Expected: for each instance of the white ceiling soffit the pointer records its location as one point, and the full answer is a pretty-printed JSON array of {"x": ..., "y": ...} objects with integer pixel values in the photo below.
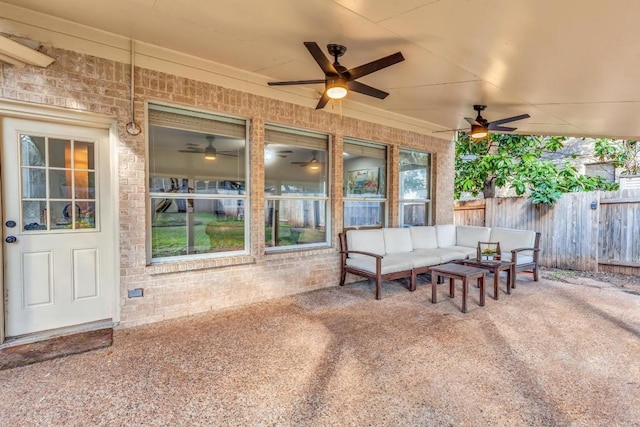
[
  {"x": 20, "y": 55},
  {"x": 570, "y": 64}
]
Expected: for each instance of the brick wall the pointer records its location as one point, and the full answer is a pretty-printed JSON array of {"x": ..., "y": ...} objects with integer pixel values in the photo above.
[{"x": 82, "y": 82}]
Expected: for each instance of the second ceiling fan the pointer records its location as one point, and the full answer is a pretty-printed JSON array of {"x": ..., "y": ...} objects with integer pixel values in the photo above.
[
  {"x": 338, "y": 79},
  {"x": 480, "y": 126}
]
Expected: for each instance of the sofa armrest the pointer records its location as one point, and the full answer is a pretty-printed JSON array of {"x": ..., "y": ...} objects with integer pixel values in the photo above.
[{"x": 514, "y": 254}]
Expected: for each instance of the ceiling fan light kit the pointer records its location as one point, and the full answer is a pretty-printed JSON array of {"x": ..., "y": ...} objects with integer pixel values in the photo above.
[
  {"x": 478, "y": 132},
  {"x": 337, "y": 88},
  {"x": 210, "y": 153}
]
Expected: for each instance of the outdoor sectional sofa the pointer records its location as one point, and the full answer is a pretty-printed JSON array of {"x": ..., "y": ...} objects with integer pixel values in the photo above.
[{"x": 395, "y": 253}]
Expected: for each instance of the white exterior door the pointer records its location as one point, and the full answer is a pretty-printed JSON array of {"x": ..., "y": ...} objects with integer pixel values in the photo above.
[{"x": 58, "y": 244}]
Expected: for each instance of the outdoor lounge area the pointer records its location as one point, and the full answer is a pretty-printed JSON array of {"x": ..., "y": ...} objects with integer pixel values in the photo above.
[{"x": 553, "y": 353}]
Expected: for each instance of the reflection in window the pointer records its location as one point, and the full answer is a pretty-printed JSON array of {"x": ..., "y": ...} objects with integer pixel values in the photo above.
[
  {"x": 296, "y": 189},
  {"x": 364, "y": 183},
  {"x": 197, "y": 183},
  {"x": 415, "y": 188}
]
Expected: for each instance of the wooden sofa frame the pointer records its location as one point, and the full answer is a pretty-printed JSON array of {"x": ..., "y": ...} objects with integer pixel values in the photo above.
[{"x": 377, "y": 276}]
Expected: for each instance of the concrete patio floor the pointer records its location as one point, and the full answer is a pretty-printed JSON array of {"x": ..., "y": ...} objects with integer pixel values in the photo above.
[{"x": 552, "y": 353}]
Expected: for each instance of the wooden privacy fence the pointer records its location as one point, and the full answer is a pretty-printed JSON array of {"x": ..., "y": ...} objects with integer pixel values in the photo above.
[{"x": 583, "y": 231}]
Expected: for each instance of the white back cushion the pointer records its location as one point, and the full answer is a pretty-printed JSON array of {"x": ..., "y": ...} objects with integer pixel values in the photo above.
[
  {"x": 367, "y": 241},
  {"x": 397, "y": 240},
  {"x": 424, "y": 237},
  {"x": 446, "y": 235},
  {"x": 470, "y": 236},
  {"x": 512, "y": 239}
]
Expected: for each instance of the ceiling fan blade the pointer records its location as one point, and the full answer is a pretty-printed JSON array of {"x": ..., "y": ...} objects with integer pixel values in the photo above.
[
  {"x": 284, "y": 151},
  {"x": 323, "y": 100},
  {"x": 374, "y": 66},
  {"x": 502, "y": 128},
  {"x": 300, "y": 163},
  {"x": 226, "y": 154},
  {"x": 507, "y": 120},
  {"x": 296, "y": 82},
  {"x": 366, "y": 89},
  {"x": 472, "y": 121},
  {"x": 192, "y": 151},
  {"x": 449, "y": 130},
  {"x": 320, "y": 58}
]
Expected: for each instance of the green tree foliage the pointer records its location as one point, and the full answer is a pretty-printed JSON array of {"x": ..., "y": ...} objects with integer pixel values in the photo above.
[
  {"x": 515, "y": 161},
  {"x": 622, "y": 153}
]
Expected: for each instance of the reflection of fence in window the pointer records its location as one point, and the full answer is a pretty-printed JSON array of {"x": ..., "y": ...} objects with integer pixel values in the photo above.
[
  {"x": 357, "y": 214},
  {"x": 414, "y": 214}
]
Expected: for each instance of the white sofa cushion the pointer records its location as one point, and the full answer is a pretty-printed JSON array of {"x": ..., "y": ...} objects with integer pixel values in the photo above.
[
  {"x": 446, "y": 235},
  {"x": 397, "y": 240},
  {"x": 469, "y": 236},
  {"x": 367, "y": 241},
  {"x": 513, "y": 239},
  {"x": 443, "y": 254},
  {"x": 390, "y": 264},
  {"x": 423, "y": 258},
  {"x": 424, "y": 237}
]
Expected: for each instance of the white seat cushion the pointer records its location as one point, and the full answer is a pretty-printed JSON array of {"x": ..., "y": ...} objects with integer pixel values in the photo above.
[
  {"x": 523, "y": 258},
  {"x": 422, "y": 258},
  {"x": 389, "y": 264}
]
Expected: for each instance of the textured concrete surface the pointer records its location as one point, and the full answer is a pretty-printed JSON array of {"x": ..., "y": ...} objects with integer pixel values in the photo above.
[
  {"x": 551, "y": 353},
  {"x": 26, "y": 354}
]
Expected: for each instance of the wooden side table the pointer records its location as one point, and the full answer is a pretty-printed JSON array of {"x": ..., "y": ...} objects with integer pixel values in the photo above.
[
  {"x": 455, "y": 272},
  {"x": 495, "y": 267}
]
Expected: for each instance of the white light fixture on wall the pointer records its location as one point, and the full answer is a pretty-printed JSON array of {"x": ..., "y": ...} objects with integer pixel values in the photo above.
[{"x": 20, "y": 55}]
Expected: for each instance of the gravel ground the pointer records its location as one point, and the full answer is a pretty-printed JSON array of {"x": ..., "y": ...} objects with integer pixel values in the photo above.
[
  {"x": 623, "y": 281},
  {"x": 553, "y": 353}
]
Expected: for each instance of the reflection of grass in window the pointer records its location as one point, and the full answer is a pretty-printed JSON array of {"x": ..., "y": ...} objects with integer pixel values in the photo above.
[
  {"x": 288, "y": 235},
  {"x": 211, "y": 234}
]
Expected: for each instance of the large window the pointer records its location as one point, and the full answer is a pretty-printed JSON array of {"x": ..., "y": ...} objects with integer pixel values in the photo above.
[
  {"x": 415, "y": 188},
  {"x": 296, "y": 188},
  {"x": 197, "y": 184},
  {"x": 364, "y": 183}
]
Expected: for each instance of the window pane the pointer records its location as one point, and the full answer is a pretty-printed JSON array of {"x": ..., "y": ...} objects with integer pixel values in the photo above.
[
  {"x": 32, "y": 150},
  {"x": 63, "y": 214},
  {"x": 181, "y": 153},
  {"x": 59, "y": 153},
  {"x": 414, "y": 214},
  {"x": 34, "y": 183},
  {"x": 85, "y": 185},
  {"x": 295, "y": 222},
  {"x": 204, "y": 155},
  {"x": 414, "y": 175},
  {"x": 357, "y": 213},
  {"x": 187, "y": 226},
  {"x": 302, "y": 171},
  {"x": 34, "y": 215},
  {"x": 60, "y": 184},
  {"x": 83, "y": 155}
]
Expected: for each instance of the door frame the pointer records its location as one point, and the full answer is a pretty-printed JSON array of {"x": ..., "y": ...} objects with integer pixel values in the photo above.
[{"x": 43, "y": 113}]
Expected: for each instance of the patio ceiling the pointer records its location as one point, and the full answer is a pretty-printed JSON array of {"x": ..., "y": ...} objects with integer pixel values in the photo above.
[{"x": 572, "y": 64}]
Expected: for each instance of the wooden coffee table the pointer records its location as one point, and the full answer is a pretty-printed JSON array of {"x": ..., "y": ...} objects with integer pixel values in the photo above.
[
  {"x": 495, "y": 267},
  {"x": 455, "y": 272}
]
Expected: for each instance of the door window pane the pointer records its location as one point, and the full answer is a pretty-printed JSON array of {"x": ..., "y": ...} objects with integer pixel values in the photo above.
[{"x": 58, "y": 172}]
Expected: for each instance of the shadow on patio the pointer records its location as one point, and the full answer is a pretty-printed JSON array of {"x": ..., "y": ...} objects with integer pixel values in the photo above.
[{"x": 551, "y": 353}]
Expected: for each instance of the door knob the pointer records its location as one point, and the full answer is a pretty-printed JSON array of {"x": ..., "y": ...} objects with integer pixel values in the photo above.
[
  {"x": 10, "y": 239},
  {"x": 10, "y": 224}
]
